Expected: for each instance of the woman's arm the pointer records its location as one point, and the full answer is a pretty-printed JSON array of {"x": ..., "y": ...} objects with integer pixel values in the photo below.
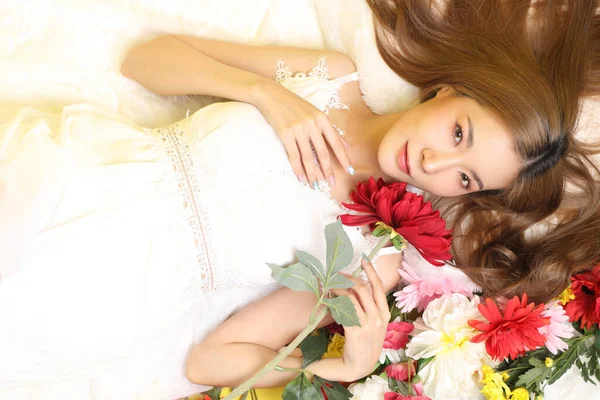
[
  {"x": 185, "y": 65},
  {"x": 247, "y": 341}
]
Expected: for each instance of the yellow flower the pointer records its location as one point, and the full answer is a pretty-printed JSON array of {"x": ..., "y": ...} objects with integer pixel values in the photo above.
[
  {"x": 505, "y": 376},
  {"x": 492, "y": 392},
  {"x": 519, "y": 394},
  {"x": 335, "y": 347},
  {"x": 494, "y": 387},
  {"x": 487, "y": 373},
  {"x": 539, "y": 397},
  {"x": 566, "y": 296},
  {"x": 549, "y": 362}
]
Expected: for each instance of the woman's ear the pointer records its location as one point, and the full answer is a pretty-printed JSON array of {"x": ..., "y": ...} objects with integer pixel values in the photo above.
[{"x": 445, "y": 91}]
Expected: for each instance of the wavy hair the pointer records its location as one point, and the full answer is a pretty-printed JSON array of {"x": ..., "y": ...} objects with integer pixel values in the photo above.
[{"x": 530, "y": 62}]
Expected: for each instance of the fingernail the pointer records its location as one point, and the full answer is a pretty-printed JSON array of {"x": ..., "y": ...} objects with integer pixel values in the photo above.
[
  {"x": 331, "y": 180},
  {"x": 315, "y": 186},
  {"x": 365, "y": 257},
  {"x": 301, "y": 178},
  {"x": 351, "y": 170}
]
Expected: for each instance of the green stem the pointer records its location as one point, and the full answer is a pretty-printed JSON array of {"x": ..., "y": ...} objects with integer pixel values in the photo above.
[
  {"x": 283, "y": 369},
  {"x": 244, "y": 387},
  {"x": 515, "y": 369},
  {"x": 373, "y": 253},
  {"x": 271, "y": 365}
]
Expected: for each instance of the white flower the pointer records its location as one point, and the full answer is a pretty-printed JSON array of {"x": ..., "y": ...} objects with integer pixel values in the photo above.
[
  {"x": 395, "y": 356},
  {"x": 374, "y": 388},
  {"x": 444, "y": 333}
]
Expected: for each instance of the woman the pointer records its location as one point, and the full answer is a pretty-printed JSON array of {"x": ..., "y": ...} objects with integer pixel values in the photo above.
[{"x": 140, "y": 242}]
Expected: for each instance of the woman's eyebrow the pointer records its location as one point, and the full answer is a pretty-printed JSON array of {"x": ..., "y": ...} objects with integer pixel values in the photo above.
[
  {"x": 470, "y": 141},
  {"x": 471, "y": 138},
  {"x": 477, "y": 179}
]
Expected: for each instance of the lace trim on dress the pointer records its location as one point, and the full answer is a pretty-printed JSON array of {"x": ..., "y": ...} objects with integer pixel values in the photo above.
[
  {"x": 178, "y": 151},
  {"x": 283, "y": 72}
]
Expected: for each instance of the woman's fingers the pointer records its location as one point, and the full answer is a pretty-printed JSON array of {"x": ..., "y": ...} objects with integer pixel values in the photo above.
[
  {"x": 308, "y": 161},
  {"x": 308, "y": 148},
  {"x": 291, "y": 147},
  {"x": 338, "y": 145},
  {"x": 379, "y": 295},
  {"x": 364, "y": 295},
  {"x": 323, "y": 156}
]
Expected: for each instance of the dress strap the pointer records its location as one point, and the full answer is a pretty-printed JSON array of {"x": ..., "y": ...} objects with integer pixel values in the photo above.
[{"x": 342, "y": 80}]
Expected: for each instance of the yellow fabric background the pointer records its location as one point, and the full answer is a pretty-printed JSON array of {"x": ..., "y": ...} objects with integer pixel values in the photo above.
[{"x": 263, "y": 394}]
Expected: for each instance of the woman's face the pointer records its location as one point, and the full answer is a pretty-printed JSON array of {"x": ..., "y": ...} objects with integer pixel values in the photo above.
[{"x": 449, "y": 146}]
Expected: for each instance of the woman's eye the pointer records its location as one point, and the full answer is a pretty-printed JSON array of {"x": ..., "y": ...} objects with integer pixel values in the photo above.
[
  {"x": 458, "y": 134},
  {"x": 465, "y": 180}
]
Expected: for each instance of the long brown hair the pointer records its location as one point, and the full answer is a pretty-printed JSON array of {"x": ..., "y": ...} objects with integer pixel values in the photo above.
[{"x": 530, "y": 62}]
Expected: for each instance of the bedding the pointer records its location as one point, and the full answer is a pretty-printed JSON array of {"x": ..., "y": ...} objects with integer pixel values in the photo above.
[{"x": 62, "y": 52}]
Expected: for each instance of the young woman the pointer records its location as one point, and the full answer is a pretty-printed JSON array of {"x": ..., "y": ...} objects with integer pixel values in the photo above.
[{"x": 127, "y": 245}]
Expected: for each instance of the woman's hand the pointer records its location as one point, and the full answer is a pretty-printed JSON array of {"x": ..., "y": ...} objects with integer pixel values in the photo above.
[
  {"x": 300, "y": 125},
  {"x": 363, "y": 344}
]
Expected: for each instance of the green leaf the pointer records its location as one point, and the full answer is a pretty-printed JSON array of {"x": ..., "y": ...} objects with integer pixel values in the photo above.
[
  {"x": 313, "y": 347},
  {"x": 296, "y": 277},
  {"x": 536, "y": 363},
  {"x": 421, "y": 363},
  {"x": 342, "y": 310},
  {"x": 593, "y": 366},
  {"x": 336, "y": 392},
  {"x": 532, "y": 377},
  {"x": 338, "y": 282},
  {"x": 339, "y": 249},
  {"x": 214, "y": 393},
  {"x": 300, "y": 389},
  {"x": 567, "y": 359},
  {"x": 312, "y": 263},
  {"x": 597, "y": 342}
]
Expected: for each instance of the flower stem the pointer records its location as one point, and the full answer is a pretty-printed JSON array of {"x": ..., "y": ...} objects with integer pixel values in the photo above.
[
  {"x": 282, "y": 369},
  {"x": 314, "y": 321},
  {"x": 373, "y": 253},
  {"x": 279, "y": 358}
]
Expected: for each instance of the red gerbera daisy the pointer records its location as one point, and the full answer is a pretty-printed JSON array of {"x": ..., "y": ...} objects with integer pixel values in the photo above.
[
  {"x": 405, "y": 212},
  {"x": 586, "y": 305},
  {"x": 513, "y": 333}
]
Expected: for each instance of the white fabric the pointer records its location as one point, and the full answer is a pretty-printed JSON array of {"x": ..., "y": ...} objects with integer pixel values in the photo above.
[
  {"x": 61, "y": 52},
  {"x": 137, "y": 242}
]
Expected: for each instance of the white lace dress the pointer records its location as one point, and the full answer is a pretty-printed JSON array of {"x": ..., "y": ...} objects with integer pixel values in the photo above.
[{"x": 122, "y": 246}]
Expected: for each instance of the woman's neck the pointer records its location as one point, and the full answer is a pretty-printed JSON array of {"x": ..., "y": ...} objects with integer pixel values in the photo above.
[{"x": 364, "y": 133}]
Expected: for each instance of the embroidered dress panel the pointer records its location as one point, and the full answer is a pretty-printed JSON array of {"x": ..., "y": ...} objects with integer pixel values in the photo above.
[{"x": 178, "y": 150}]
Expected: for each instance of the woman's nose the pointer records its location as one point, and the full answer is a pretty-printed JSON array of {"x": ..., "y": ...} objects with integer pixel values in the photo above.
[{"x": 434, "y": 161}]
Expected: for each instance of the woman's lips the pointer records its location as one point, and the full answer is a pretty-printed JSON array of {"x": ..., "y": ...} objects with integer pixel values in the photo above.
[{"x": 403, "y": 161}]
